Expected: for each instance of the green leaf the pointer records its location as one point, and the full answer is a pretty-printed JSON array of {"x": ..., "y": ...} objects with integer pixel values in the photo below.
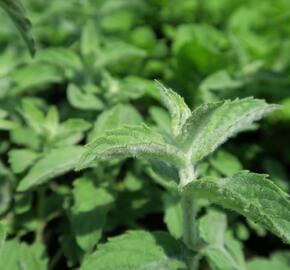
[
  {"x": 217, "y": 85},
  {"x": 73, "y": 125},
  {"x": 33, "y": 76},
  {"x": 173, "y": 214},
  {"x": 9, "y": 255},
  {"x": 32, "y": 257},
  {"x": 5, "y": 195},
  {"x": 279, "y": 260},
  {"x": 221, "y": 249},
  {"x": 33, "y": 115},
  {"x": 277, "y": 172},
  {"x": 55, "y": 163},
  {"x": 200, "y": 47},
  {"x": 89, "y": 40},
  {"x": 26, "y": 137},
  {"x": 51, "y": 121},
  {"x": 225, "y": 163},
  {"x": 88, "y": 214},
  {"x": 2, "y": 236},
  {"x": 130, "y": 141},
  {"x": 71, "y": 132},
  {"x": 20, "y": 256},
  {"x": 17, "y": 13},
  {"x": 83, "y": 100},
  {"x": 21, "y": 159},
  {"x": 7, "y": 125},
  {"x": 160, "y": 117},
  {"x": 251, "y": 195},
  {"x": 116, "y": 117},
  {"x": 137, "y": 250},
  {"x": 61, "y": 57},
  {"x": 116, "y": 52},
  {"x": 179, "y": 111},
  {"x": 210, "y": 125}
]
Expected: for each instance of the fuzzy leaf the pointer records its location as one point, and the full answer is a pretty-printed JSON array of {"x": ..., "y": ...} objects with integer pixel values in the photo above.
[
  {"x": 88, "y": 214},
  {"x": 137, "y": 250},
  {"x": 175, "y": 104},
  {"x": 53, "y": 164},
  {"x": 210, "y": 125},
  {"x": 17, "y": 13},
  {"x": 130, "y": 141},
  {"x": 251, "y": 195}
]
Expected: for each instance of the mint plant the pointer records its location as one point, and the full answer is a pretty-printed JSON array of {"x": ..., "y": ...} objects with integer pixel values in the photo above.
[
  {"x": 155, "y": 187},
  {"x": 194, "y": 135}
]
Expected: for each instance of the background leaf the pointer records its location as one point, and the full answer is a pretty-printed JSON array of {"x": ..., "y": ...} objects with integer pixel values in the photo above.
[
  {"x": 116, "y": 117},
  {"x": 17, "y": 13},
  {"x": 221, "y": 249},
  {"x": 88, "y": 214},
  {"x": 21, "y": 159},
  {"x": 54, "y": 163},
  {"x": 157, "y": 250},
  {"x": 17, "y": 256},
  {"x": 278, "y": 260}
]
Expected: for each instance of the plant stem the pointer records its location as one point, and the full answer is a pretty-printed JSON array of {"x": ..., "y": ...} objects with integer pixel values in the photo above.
[
  {"x": 190, "y": 232},
  {"x": 186, "y": 174},
  {"x": 40, "y": 212},
  {"x": 189, "y": 222}
]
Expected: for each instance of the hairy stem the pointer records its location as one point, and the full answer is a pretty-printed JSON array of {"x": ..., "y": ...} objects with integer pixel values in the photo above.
[
  {"x": 190, "y": 233},
  {"x": 186, "y": 174}
]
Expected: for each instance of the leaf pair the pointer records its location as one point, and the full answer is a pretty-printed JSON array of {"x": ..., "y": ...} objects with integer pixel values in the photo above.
[{"x": 196, "y": 134}]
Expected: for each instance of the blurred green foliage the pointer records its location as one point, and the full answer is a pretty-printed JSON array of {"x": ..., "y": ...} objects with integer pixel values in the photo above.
[{"x": 93, "y": 71}]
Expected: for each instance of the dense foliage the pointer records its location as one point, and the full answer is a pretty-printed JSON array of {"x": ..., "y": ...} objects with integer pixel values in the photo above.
[{"x": 163, "y": 181}]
